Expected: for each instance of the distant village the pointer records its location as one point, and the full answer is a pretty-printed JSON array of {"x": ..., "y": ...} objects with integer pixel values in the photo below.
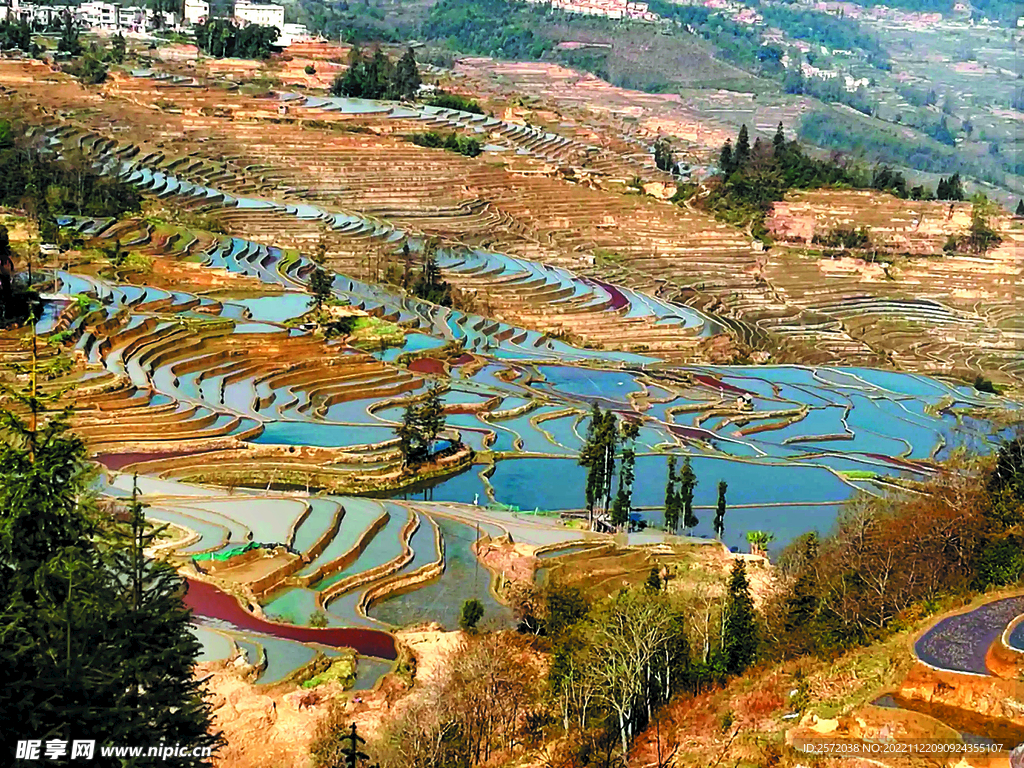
[
  {"x": 106, "y": 17},
  {"x": 611, "y": 9}
]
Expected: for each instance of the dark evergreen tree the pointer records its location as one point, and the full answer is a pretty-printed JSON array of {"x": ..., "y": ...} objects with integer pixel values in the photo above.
[
  {"x": 472, "y": 612},
  {"x": 6, "y": 271},
  {"x": 663, "y": 157},
  {"x": 118, "y": 49},
  {"x": 609, "y": 443},
  {"x": 410, "y": 441},
  {"x": 950, "y": 189},
  {"x": 591, "y": 457},
  {"x": 421, "y": 424},
  {"x": 159, "y": 691},
  {"x": 742, "y": 154},
  {"x": 406, "y": 81},
  {"x": 720, "y": 510},
  {"x": 378, "y": 75},
  {"x": 430, "y": 285},
  {"x": 624, "y": 498},
  {"x": 351, "y": 750},
  {"x": 802, "y": 602},
  {"x": 95, "y": 638},
  {"x": 431, "y": 418},
  {"x": 740, "y": 630},
  {"x": 779, "y": 141},
  {"x": 687, "y": 484},
  {"x": 320, "y": 284},
  {"x": 69, "y": 42},
  {"x": 725, "y": 159},
  {"x": 1020, "y": 208},
  {"x": 351, "y": 82},
  {"x": 671, "y": 498}
]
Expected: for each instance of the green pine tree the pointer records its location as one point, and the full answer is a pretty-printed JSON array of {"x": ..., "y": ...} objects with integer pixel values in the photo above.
[
  {"x": 321, "y": 283},
  {"x": 671, "y": 498},
  {"x": 742, "y": 154},
  {"x": 431, "y": 418},
  {"x": 406, "y": 80},
  {"x": 1020, "y": 208},
  {"x": 592, "y": 458},
  {"x": 779, "y": 140},
  {"x": 95, "y": 638},
  {"x": 720, "y": 510},
  {"x": 740, "y": 630},
  {"x": 687, "y": 485},
  {"x": 725, "y": 159},
  {"x": 151, "y": 623}
]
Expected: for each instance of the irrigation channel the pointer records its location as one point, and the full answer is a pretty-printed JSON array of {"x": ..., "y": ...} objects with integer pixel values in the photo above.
[{"x": 793, "y": 443}]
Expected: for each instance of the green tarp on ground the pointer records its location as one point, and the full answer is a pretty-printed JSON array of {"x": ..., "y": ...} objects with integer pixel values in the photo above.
[{"x": 227, "y": 553}]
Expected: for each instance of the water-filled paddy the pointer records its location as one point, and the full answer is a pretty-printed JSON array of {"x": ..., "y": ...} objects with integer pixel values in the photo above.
[{"x": 441, "y": 600}]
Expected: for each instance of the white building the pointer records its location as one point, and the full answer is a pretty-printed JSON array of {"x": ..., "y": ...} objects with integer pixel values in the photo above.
[
  {"x": 264, "y": 14},
  {"x": 100, "y": 15},
  {"x": 292, "y": 33},
  {"x": 196, "y": 11}
]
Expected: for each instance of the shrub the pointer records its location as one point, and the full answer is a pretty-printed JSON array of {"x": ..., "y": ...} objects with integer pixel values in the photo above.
[
  {"x": 1001, "y": 563},
  {"x": 453, "y": 142},
  {"x": 472, "y": 612},
  {"x": 309, "y": 69},
  {"x": 454, "y": 101}
]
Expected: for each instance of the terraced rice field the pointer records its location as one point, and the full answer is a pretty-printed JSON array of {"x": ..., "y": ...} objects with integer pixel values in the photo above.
[
  {"x": 959, "y": 643},
  {"x": 234, "y": 418}
]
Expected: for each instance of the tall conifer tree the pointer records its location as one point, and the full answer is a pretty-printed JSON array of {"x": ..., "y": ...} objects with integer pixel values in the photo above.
[
  {"x": 740, "y": 631},
  {"x": 720, "y": 509}
]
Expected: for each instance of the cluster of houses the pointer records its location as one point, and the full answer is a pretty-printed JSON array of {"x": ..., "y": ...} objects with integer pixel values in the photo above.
[
  {"x": 612, "y": 9},
  {"x": 101, "y": 16}
]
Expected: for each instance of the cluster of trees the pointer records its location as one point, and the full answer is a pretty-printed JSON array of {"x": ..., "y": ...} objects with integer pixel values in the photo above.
[
  {"x": 18, "y": 34},
  {"x": 844, "y": 237},
  {"x": 452, "y": 141},
  {"x": 487, "y": 27},
  {"x": 96, "y": 638},
  {"x": 664, "y": 159},
  {"x": 614, "y": 663},
  {"x": 889, "y": 555},
  {"x": 455, "y": 101},
  {"x": 828, "y": 89},
  {"x": 950, "y": 189},
  {"x": 88, "y": 64},
  {"x": 421, "y": 423},
  {"x": 679, "y": 496},
  {"x": 616, "y": 660},
  {"x": 824, "y": 130},
  {"x": 980, "y": 236},
  {"x": 46, "y": 186},
  {"x": 428, "y": 285},
  {"x": 221, "y": 38},
  {"x": 376, "y": 77},
  {"x": 475, "y": 706},
  {"x": 599, "y": 456},
  {"x": 824, "y": 29},
  {"x": 756, "y": 176},
  {"x": 738, "y": 43}
]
